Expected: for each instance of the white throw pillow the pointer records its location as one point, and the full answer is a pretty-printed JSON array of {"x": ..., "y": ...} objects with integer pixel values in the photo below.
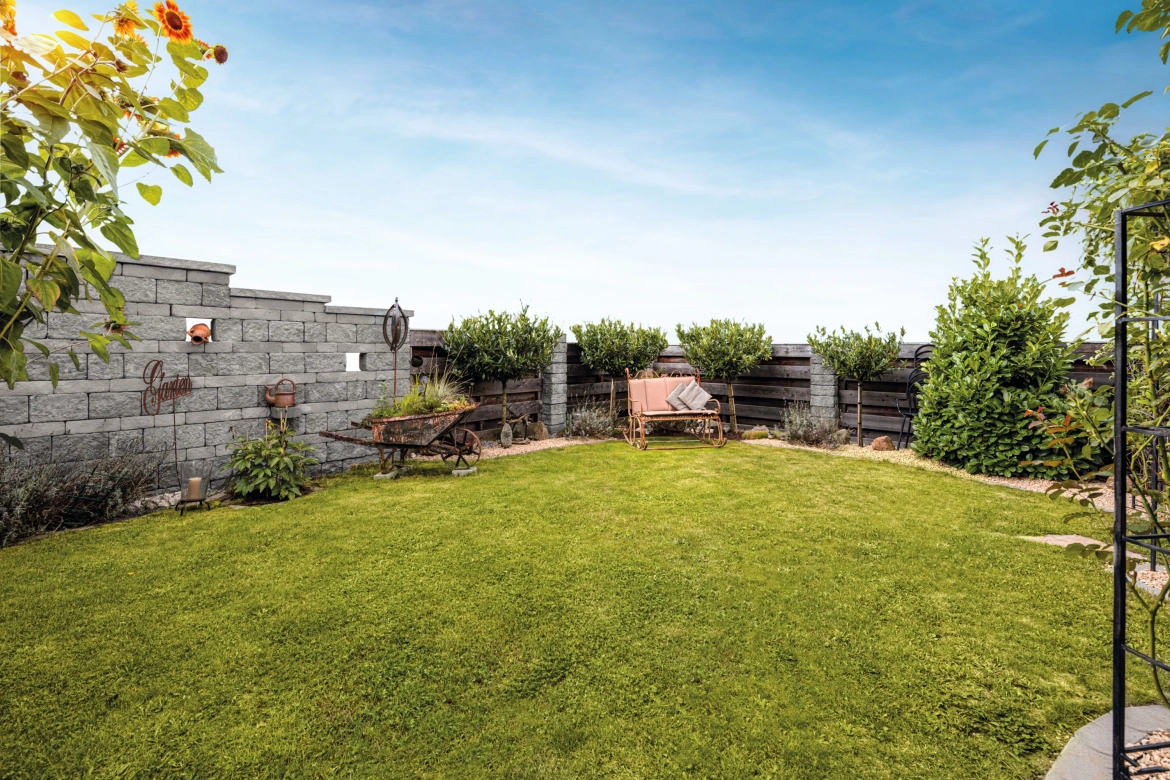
[
  {"x": 695, "y": 397},
  {"x": 673, "y": 398}
]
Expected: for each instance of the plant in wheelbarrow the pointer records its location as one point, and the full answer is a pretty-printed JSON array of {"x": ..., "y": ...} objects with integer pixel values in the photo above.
[
  {"x": 441, "y": 393},
  {"x": 423, "y": 422},
  {"x": 273, "y": 466}
]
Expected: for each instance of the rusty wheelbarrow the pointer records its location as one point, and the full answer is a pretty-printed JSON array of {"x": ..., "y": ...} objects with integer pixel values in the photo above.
[{"x": 427, "y": 434}]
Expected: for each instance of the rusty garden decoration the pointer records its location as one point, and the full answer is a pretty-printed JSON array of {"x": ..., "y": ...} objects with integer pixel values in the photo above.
[
  {"x": 158, "y": 391},
  {"x": 434, "y": 434}
]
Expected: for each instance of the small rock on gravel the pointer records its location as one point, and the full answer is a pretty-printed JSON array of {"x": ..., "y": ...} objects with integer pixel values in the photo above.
[{"x": 883, "y": 444}]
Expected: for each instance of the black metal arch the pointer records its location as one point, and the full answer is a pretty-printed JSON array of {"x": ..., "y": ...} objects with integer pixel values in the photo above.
[{"x": 1124, "y": 766}]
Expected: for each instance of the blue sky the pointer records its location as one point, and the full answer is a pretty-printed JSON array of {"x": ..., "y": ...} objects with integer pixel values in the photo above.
[{"x": 791, "y": 163}]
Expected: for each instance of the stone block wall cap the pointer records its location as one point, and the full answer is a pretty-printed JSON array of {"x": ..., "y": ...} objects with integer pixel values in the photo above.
[
  {"x": 276, "y": 295},
  {"x": 165, "y": 262},
  {"x": 362, "y": 310}
]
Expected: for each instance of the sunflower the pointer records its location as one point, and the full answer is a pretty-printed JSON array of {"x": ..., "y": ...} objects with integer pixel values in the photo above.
[
  {"x": 8, "y": 16},
  {"x": 176, "y": 25},
  {"x": 124, "y": 24}
]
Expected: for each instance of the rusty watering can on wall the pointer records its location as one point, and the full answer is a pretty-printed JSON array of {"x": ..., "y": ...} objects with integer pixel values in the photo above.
[{"x": 281, "y": 399}]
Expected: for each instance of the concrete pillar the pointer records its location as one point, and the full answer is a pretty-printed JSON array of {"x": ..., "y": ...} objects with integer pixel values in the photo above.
[
  {"x": 555, "y": 389},
  {"x": 822, "y": 392}
]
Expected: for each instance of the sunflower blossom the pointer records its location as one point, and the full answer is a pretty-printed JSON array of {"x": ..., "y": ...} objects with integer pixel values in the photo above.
[{"x": 176, "y": 25}]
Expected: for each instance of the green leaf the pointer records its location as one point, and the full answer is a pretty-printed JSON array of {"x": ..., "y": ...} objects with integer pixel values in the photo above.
[
  {"x": 101, "y": 262},
  {"x": 190, "y": 98},
  {"x": 182, "y": 174},
  {"x": 73, "y": 39},
  {"x": 193, "y": 75},
  {"x": 1050, "y": 245},
  {"x": 10, "y": 278},
  {"x": 184, "y": 51},
  {"x": 156, "y": 146},
  {"x": 174, "y": 109},
  {"x": 133, "y": 159},
  {"x": 54, "y": 373},
  {"x": 46, "y": 291},
  {"x": 71, "y": 19},
  {"x": 106, "y": 161},
  {"x": 14, "y": 151},
  {"x": 12, "y": 441},
  {"x": 151, "y": 193},
  {"x": 1039, "y": 148},
  {"x": 1138, "y": 96},
  {"x": 1121, "y": 20},
  {"x": 122, "y": 237}
]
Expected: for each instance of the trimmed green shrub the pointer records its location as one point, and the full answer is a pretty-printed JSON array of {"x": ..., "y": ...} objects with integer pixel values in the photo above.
[
  {"x": 613, "y": 347},
  {"x": 725, "y": 349},
  {"x": 862, "y": 357},
  {"x": 271, "y": 466},
  {"x": 998, "y": 352},
  {"x": 501, "y": 347}
]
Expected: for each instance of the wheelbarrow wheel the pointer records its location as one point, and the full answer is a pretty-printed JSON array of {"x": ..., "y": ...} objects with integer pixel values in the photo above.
[{"x": 464, "y": 447}]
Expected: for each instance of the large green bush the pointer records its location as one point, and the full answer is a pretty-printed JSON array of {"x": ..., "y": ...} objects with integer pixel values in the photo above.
[{"x": 999, "y": 351}]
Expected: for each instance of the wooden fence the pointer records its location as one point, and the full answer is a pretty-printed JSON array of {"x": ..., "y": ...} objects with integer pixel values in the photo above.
[
  {"x": 524, "y": 395},
  {"x": 761, "y": 394}
]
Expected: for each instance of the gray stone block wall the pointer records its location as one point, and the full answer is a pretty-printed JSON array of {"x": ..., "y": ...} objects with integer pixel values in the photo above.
[
  {"x": 555, "y": 389},
  {"x": 822, "y": 389},
  {"x": 258, "y": 338}
]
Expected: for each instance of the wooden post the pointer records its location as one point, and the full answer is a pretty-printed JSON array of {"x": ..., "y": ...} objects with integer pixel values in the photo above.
[
  {"x": 860, "y": 440},
  {"x": 731, "y": 405},
  {"x": 504, "y": 403}
]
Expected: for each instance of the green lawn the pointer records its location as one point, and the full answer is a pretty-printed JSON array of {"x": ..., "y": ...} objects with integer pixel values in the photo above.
[{"x": 587, "y": 612}]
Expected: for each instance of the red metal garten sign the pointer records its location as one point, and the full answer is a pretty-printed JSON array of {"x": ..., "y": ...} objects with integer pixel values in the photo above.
[{"x": 159, "y": 389}]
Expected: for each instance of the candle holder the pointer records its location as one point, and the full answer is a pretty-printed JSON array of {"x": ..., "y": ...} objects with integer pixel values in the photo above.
[{"x": 194, "y": 484}]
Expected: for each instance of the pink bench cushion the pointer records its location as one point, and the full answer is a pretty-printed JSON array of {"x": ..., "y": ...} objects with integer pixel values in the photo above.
[{"x": 649, "y": 395}]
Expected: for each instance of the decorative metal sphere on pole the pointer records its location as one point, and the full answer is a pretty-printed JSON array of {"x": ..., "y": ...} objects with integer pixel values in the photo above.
[{"x": 395, "y": 332}]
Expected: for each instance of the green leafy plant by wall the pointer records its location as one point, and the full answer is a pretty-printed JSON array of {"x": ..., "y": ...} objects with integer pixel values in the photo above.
[
  {"x": 74, "y": 112},
  {"x": 725, "y": 349},
  {"x": 271, "y": 466},
  {"x": 999, "y": 351},
  {"x": 501, "y": 347},
  {"x": 613, "y": 347},
  {"x": 863, "y": 357}
]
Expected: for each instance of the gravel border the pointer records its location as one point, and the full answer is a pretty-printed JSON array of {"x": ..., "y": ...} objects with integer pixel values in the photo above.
[{"x": 492, "y": 449}]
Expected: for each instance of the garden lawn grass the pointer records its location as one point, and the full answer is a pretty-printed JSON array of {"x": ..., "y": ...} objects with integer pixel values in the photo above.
[{"x": 591, "y": 611}]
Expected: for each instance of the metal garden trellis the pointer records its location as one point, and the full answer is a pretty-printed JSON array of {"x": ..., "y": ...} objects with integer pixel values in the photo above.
[{"x": 1124, "y": 766}]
